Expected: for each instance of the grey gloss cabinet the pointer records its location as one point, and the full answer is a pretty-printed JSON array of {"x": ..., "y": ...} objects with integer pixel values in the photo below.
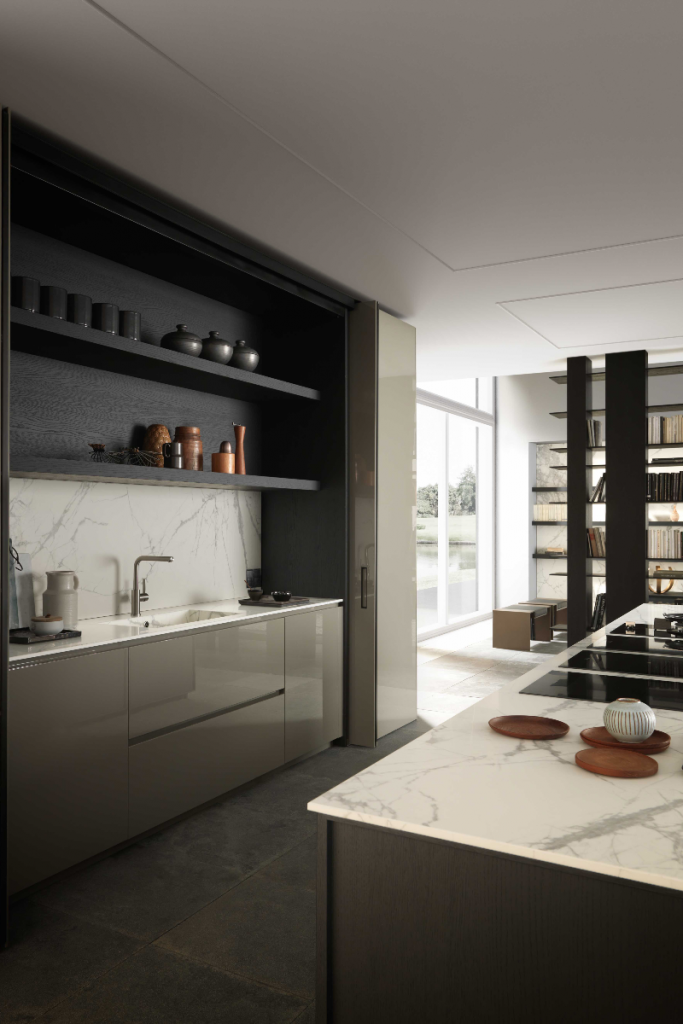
[
  {"x": 67, "y": 763},
  {"x": 313, "y": 680},
  {"x": 181, "y": 679}
]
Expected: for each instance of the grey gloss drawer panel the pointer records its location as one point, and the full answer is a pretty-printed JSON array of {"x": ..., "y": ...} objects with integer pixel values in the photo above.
[
  {"x": 180, "y": 679},
  {"x": 67, "y": 768},
  {"x": 172, "y": 774}
]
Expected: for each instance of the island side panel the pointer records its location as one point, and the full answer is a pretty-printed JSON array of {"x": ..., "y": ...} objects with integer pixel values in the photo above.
[{"x": 413, "y": 929}]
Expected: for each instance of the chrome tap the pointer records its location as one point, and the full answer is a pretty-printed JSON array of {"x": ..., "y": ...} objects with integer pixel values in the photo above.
[{"x": 142, "y": 595}]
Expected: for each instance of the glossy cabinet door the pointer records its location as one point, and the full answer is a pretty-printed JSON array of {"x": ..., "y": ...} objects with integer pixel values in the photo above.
[
  {"x": 178, "y": 681},
  {"x": 173, "y": 773},
  {"x": 313, "y": 680},
  {"x": 67, "y": 763}
]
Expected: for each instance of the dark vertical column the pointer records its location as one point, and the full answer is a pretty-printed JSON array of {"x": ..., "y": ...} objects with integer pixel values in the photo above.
[
  {"x": 626, "y": 430},
  {"x": 4, "y": 500},
  {"x": 579, "y": 583}
]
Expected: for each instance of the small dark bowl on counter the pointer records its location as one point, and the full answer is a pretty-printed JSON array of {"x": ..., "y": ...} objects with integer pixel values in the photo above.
[{"x": 281, "y": 595}]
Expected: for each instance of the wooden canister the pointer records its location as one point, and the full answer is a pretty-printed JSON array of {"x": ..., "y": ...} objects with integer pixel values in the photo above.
[
  {"x": 193, "y": 449},
  {"x": 223, "y": 462}
]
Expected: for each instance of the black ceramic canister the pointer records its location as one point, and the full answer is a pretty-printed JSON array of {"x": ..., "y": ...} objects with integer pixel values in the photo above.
[
  {"x": 26, "y": 293},
  {"x": 53, "y": 301},
  {"x": 79, "y": 310},
  {"x": 105, "y": 317},
  {"x": 129, "y": 324}
]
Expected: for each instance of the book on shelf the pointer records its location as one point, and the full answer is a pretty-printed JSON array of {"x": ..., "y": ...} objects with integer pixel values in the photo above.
[
  {"x": 599, "y": 612},
  {"x": 550, "y": 513},
  {"x": 664, "y": 543},
  {"x": 664, "y": 486},
  {"x": 596, "y": 437},
  {"x": 599, "y": 491},
  {"x": 596, "y": 541},
  {"x": 665, "y": 429}
]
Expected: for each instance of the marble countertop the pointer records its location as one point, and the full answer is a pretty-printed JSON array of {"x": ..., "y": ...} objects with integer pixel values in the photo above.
[
  {"x": 120, "y": 629},
  {"x": 465, "y": 783}
]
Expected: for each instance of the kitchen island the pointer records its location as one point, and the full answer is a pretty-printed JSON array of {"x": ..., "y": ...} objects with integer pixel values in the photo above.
[{"x": 474, "y": 877}]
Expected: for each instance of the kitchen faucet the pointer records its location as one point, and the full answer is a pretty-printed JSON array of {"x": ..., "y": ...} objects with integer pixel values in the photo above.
[{"x": 142, "y": 595}]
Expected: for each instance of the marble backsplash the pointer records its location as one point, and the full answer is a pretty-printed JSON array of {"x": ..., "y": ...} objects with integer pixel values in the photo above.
[{"x": 98, "y": 529}]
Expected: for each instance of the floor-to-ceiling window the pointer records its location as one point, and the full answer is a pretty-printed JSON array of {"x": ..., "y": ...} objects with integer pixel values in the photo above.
[{"x": 454, "y": 503}]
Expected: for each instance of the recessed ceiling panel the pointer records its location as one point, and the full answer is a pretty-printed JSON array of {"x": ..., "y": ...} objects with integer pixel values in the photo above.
[{"x": 609, "y": 316}]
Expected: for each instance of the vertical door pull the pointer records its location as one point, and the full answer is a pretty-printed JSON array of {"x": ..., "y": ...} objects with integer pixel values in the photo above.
[{"x": 363, "y": 586}]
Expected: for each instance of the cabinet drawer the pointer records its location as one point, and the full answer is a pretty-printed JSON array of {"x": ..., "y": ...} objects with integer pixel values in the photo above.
[
  {"x": 180, "y": 680},
  {"x": 173, "y": 773}
]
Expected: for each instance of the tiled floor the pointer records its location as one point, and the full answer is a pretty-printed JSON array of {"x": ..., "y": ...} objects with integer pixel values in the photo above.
[{"x": 213, "y": 919}]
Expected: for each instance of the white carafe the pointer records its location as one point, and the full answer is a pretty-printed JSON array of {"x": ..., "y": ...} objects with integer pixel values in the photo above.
[{"x": 61, "y": 597}]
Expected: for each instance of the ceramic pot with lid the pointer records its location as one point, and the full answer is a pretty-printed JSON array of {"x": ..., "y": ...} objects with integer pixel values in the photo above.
[
  {"x": 244, "y": 357},
  {"x": 217, "y": 349},
  {"x": 182, "y": 340}
]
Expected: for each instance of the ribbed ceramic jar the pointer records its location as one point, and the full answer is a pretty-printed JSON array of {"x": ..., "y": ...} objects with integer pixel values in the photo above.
[
  {"x": 61, "y": 597},
  {"x": 629, "y": 720}
]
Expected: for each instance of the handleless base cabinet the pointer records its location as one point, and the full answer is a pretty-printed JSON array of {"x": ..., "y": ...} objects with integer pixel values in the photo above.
[
  {"x": 67, "y": 763},
  {"x": 172, "y": 774}
]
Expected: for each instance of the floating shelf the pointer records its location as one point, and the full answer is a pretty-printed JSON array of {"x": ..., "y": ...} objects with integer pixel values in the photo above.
[
  {"x": 39, "y": 468},
  {"x": 71, "y": 343}
]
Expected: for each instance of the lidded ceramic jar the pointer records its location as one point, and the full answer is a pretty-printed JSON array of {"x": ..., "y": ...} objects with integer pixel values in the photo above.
[
  {"x": 61, "y": 597},
  {"x": 244, "y": 357},
  {"x": 182, "y": 340},
  {"x": 629, "y": 720},
  {"x": 217, "y": 349}
]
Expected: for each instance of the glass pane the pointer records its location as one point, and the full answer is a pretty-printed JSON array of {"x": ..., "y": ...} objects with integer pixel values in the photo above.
[
  {"x": 464, "y": 391},
  {"x": 462, "y": 517},
  {"x": 430, "y": 474},
  {"x": 485, "y": 396}
]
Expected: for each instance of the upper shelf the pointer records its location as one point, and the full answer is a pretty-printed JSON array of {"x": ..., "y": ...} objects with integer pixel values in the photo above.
[
  {"x": 652, "y": 410},
  {"x": 60, "y": 339},
  {"x": 41, "y": 468}
]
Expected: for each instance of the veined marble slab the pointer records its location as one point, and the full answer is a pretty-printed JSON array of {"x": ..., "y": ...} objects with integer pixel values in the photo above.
[{"x": 464, "y": 783}]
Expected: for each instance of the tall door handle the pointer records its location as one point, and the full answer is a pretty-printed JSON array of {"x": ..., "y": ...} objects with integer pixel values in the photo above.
[{"x": 363, "y": 586}]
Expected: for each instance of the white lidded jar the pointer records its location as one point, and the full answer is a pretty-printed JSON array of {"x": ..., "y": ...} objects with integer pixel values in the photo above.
[
  {"x": 61, "y": 597},
  {"x": 629, "y": 720}
]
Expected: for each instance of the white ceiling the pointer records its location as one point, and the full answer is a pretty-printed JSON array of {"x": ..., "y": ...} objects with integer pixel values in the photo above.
[{"x": 458, "y": 160}]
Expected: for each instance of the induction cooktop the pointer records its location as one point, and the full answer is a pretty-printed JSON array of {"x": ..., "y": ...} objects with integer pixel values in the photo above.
[{"x": 595, "y": 686}]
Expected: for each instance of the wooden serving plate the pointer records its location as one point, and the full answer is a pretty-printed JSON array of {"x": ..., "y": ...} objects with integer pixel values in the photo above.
[
  {"x": 529, "y": 727},
  {"x": 599, "y": 737},
  {"x": 621, "y": 764}
]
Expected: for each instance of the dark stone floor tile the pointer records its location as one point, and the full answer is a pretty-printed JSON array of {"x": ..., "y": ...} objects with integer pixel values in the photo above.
[
  {"x": 158, "y": 987},
  {"x": 51, "y": 955},
  {"x": 261, "y": 930},
  {"x": 148, "y": 888},
  {"x": 297, "y": 868}
]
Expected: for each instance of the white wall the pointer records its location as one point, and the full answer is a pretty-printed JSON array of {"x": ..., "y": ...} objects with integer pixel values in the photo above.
[
  {"x": 98, "y": 529},
  {"x": 524, "y": 404}
]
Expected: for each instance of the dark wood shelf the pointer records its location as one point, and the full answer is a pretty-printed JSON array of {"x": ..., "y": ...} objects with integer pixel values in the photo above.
[
  {"x": 38, "y": 468},
  {"x": 60, "y": 339}
]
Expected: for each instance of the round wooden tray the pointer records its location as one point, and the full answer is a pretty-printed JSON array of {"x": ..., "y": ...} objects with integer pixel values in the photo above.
[
  {"x": 621, "y": 764},
  {"x": 529, "y": 727},
  {"x": 599, "y": 737}
]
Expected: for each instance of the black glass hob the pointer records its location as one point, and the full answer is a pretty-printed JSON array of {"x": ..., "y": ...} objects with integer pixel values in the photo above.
[{"x": 565, "y": 684}]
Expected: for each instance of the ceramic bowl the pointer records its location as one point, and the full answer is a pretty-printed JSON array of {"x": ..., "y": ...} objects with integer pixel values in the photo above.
[
  {"x": 47, "y": 625},
  {"x": 281, "y": 595},
  {"x": 629, "y": 720}
]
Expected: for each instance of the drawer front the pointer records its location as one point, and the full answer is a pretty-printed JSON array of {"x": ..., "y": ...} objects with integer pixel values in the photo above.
[
  {"x": 173, "y": 773},
  {"x": 179, "y": 680},
  {"x": 67, "y": 763}
]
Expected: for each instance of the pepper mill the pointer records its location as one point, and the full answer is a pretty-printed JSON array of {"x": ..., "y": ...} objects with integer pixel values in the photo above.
[{"x": 240, "y": 431}]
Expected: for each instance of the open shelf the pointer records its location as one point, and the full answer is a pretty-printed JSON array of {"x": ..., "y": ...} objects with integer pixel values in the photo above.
[
  {"x": 60, "y": 339},
  {"x": 39, "y": 468}
]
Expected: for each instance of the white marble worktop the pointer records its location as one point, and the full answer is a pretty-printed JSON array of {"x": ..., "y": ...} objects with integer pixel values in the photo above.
[
  {"x": 465, "y": 783},
  {"x": 120, "y": 629}
]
